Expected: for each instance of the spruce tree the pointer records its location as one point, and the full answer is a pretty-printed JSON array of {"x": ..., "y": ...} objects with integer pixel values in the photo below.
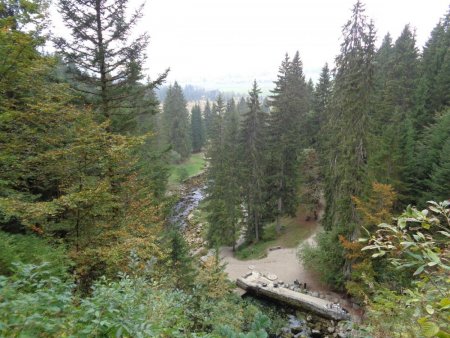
[
  {"x": 253, "y": 161},
  {"x": 232, "y": 189},
  {"x": 197, "y": 130},
  {"x": 231, "y": 106},
  {"x": 216, "y": 176},
  {"x": 383, "y": 65},
  {"x": 180, "y": 261},
  {"x": 432, "y": 161},
  {"x": 223, "y": 176},
  {"x": 320, "y": 105},
  {"x": 403, "y": 72},
  {"x": 207, "y": 117},
  {"x": 322, "y": 92},
  {"x": 109, "y": 62},
  {"x": 176, "y": 121},
  {"x": 435, "y": 67},
  {"x": 348, "y": 124},
  {"x": 288, "y": 120},
  {"x": 439, "y": 182},
  {"x": 394, "y": 131},
  {"x": 242, "y": 107}
]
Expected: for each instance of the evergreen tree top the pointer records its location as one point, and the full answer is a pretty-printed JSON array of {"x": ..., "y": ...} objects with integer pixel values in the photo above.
[{"x": 359, "y": 38}]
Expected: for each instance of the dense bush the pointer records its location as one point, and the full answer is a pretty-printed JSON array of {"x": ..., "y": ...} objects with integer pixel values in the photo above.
[
  {"x": 328, "y": 263},
  {"x": 35, "y": 303},
  {"x": 32, "y": 250},
  {"x": 417, "y": 242}
]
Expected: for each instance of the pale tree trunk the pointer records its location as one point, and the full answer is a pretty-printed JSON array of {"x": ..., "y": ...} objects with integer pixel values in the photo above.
[{"x": 280, "y": 205}]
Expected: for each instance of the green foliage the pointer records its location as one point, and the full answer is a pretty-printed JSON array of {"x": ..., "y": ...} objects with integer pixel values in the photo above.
[
  {"x": 224, "y": 189},
  {"x": 432, "y": 169},
  {"x": 253, "y": 160},
  {"x": 182, "y": 174},
  {"x": 417, "y": 242},
  {"x": 436, "y": 71},
  {"x": 311, "y": 189},
  {"x": 258, "y": 329},
  {"x": 181, "y": 262},
  {"x": 31, "y": 250},
  {"x": 36, "y": 303},
  {"x": 346, "y": 174},
  {"x": 108, "y": 61},
  {"x": 192, "y": 166},
  {"x": 176, "y": 126},
  {"x": 27, "y": 16},
  {"x": 327, "y": 257},
  {"x": 197, "y": 129},
  {"x": 393, "y": 144},
  {"x": 286, "y": 137}
]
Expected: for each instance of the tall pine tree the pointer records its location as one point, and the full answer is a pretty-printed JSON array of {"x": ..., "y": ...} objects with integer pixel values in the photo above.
[
  {"x": 253, "y": 159},
  {"x": 287, "y": 122},
  {"x": 176, "y": 122},
  {"x": 223, "y": 177},
  {"x": 348, "y": 126},
  {"x": 197, "y": 129},
  {"x": 393, "y": 120},
  {"x": 108, "y": 60},
  {"x": 349, "y": 120}
]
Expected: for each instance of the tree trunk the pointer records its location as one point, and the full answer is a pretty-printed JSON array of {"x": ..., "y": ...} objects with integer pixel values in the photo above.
[
  {"x": 256, "y": 227},
  {"x": 280, "y": 206},
  {"x": 102, "y": 62}
]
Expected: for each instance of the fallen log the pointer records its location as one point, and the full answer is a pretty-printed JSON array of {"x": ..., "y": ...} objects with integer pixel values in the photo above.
[{"x": 261, "y": 286}]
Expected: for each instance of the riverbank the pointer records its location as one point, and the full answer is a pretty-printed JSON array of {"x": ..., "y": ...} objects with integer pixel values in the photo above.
[
  {"x": 282, "y": 262},
  {"x": 279, "y": 261}
]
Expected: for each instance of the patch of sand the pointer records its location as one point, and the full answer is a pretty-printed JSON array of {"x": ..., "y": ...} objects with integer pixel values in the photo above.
[
  {"x": 282, "y": 262},
  {"x": 285, "y": 264}
]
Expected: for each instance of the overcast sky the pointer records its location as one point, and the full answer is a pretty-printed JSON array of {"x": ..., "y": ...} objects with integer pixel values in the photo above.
[
  {"x": 216, "y": 42},
  {"x": 225, "y": 44}
]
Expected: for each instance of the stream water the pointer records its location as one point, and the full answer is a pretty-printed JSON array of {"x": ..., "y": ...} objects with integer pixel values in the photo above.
[{"x": 187, "y": 204}]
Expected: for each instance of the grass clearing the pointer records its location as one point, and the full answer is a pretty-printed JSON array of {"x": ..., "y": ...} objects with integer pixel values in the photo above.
[
  {"x": 191, "y": 167},
  {"x": 293, "y": 231}
]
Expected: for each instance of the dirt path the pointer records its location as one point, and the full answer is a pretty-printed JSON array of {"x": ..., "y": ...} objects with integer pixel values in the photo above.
[
  {"x": 285, "y": 264},
  {"x": 282, "y": 262}
]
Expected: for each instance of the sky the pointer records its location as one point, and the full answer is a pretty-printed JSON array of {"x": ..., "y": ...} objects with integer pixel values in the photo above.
[
  {"x": 226, "y": 44},
  {"x": 229, "y": 43}
]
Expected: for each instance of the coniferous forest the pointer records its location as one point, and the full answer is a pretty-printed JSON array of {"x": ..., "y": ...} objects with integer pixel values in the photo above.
[{"x": 95, "y": 157}]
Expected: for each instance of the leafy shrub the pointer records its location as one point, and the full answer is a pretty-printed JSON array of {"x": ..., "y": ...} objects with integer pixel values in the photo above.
[
  {"x": 327, "y": 262},
  {"x": 33, "y": 250},
  {"x": 174, "y": 157},
  {"x": 417, "y": 242},
  {"x": 258, "y": 329},
  {"x": 35, "y": 303},
  {"x": 182, "y": 174}
]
